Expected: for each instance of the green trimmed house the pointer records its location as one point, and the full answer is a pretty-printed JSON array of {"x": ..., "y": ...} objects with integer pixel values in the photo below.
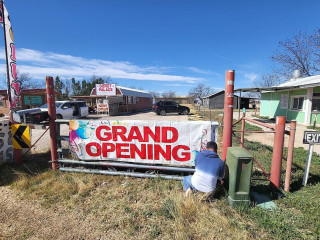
[{"x": 297, "y": 99}]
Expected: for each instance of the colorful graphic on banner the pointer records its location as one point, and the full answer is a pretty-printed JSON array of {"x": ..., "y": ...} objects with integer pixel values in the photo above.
[
  {"x": 11, "y": 58},
  {"x": 152, "y": 142}
]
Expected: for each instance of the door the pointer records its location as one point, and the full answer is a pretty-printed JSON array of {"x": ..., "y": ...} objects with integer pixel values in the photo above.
[
  {"x": 65, "y": 110},
  {"x": 172, "y": 107},
  {"x": 83, "y": 108},
  {"x": 75, "y": 109}
]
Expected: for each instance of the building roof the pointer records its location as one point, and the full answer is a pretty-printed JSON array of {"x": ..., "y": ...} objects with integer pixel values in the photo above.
[
  {"x": 306, "y": 82},
  {"x": 221, "y": 92},
  {"x": 134, "y": 92},
  {"x": 29, "y": 91},
  {"x": 126, "y": 92},
  {"x": 214, "y": 94},
  {"x": 312, "y": 81}
]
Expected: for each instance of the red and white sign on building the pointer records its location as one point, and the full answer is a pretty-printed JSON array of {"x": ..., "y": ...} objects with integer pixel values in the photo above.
[
  {"x": 106, "y": 89},
  {"x": 152, "y": 142}
]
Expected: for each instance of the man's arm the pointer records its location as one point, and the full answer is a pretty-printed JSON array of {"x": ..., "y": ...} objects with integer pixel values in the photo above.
[{"x": 222, "y": 172}]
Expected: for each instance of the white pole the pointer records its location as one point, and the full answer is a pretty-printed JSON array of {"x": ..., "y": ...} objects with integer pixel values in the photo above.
[{"x": 308, "y": 163}]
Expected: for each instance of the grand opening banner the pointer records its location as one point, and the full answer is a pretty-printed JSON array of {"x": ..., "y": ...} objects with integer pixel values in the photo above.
[{"x": 150, "y": 142}]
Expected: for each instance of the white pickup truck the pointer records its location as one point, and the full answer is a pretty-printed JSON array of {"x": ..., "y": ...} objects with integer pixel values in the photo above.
[{"x": 64, "y": 110}]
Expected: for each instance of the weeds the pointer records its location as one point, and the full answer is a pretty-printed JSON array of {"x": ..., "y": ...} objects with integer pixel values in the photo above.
[{"x": 131, "y": 208}]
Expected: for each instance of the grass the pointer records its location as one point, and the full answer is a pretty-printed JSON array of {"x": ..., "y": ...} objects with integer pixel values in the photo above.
[
  {"x": 315, "y": 128},
  {"x": 127, "y": 208},
  {"x": 298, "y": 216},
  {"x": 260, "y": 117},
  {"x": 131, "y": 207}
]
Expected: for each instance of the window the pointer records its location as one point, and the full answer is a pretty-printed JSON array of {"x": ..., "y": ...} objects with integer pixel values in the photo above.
[
  {"x": 129, "y": 100},
  {"x": 297, "y": 103},
  {"x": 81, "y": 104},
  {"x": 3, "y": 103},
  {"x": 316, "y": 104},
  {"x": 135, "y": 99}
]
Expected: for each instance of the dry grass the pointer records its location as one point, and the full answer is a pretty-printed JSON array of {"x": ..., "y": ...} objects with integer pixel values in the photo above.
[{"x": 127, "y": 208}]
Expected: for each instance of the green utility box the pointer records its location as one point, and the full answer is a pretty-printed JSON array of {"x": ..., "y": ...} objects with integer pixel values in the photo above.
[{"x": 239, "y": 163}]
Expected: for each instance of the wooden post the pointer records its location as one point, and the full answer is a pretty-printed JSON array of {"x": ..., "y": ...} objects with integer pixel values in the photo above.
[
  {"x": 290, "y": 155},
  {"x": 228, "y": 112},
  {"x": 52, "y": 122},
  {"x": 276, "y": 163}
]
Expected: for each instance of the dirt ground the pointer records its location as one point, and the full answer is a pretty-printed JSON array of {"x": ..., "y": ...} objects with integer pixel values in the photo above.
[{"x": 21, "y": 219}]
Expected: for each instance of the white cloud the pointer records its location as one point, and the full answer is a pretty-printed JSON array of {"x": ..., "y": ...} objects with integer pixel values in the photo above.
[
  {"x": 41, "y": 64},
  {"x": 217, "y": 89},
  {"x": 251, "y": 76},
  {"x": 198, "y": 70},
  {"x": 178, "y": 85}
]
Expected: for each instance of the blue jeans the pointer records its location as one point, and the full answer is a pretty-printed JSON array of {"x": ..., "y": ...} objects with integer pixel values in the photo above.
[{"x": 187, "y": 183}]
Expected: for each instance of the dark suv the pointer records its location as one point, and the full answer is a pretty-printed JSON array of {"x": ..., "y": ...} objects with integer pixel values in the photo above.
[{"x": 164, "y": 107}]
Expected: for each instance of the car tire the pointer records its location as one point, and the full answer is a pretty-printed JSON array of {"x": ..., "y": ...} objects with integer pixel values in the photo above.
[
  {"x": 59, "y": 116},
  {"x": 185, "y": 112},
  {"x": 163, "y": 112}
]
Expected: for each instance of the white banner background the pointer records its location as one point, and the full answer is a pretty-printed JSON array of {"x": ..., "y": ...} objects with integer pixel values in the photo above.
[{"x": 193, "y": 135}]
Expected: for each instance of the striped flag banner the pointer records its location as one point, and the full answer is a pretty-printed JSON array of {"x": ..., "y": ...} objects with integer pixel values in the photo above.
[{"x": 14, "y": 89}]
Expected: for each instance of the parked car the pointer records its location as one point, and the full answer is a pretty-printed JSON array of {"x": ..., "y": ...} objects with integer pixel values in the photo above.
[
  {"x": 164, "y": 107},
  {"x": 69, "y": 109},
  {"x": 64, "y": 110}
]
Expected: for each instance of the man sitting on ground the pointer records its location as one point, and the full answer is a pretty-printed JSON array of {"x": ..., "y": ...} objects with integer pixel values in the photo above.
[{"x": 209, "y": 168}]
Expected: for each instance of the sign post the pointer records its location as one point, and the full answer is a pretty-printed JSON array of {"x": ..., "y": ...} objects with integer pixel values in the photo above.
[{"x": 311, "y": 138}]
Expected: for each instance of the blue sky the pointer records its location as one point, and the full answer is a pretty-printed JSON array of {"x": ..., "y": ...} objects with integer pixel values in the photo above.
[{"x": 157, "y": 45}]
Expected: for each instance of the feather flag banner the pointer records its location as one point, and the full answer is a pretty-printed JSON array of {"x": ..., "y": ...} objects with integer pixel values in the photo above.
[{"x": 13, "y": 84}]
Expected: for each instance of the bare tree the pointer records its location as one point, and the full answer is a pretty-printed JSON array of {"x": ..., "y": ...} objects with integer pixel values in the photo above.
[
  {"x": 201, "y": 90},
  {"x": 168, "y": 95},
  {"x": 67, "y": 88},
  {"x": 315, "y": 41},
  {"x": 301, "y": 52},
  {"x": 26, "y": 82},
  {"x": 267, "y": 80},
  {"x": 154, "y": 94}
]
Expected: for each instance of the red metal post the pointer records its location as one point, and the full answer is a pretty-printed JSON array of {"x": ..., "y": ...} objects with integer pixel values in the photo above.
[
  {"x": 52, "y": 124},
  {"x": 243, "y": 126},
  {"x": 290, "y": 155},
  {"x": 228, "y": 112},
  {"x": 277, "y": 151}
]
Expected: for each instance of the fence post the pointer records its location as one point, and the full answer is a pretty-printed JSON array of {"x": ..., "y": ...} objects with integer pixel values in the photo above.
[
  {"x": 52, "y": 124},
  {"x": 243, "y": 126},
  {"x": 290, "y": 155},
  {"x": 276, "y": 163},
  {"x": 228, "y": 112}
]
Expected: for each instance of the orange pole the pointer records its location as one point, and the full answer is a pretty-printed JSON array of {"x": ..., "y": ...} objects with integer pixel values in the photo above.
[
  {"x": 243, "y": 126},
  {"x": 276, "y": 163},
  {"x": 228, "y": 112},
  {"x": 290, "y": 155},
  {"x": 52, "y": 124}
]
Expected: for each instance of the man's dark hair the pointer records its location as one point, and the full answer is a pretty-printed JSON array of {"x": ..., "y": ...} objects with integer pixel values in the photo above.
[{"x": 212, "y": 145}]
